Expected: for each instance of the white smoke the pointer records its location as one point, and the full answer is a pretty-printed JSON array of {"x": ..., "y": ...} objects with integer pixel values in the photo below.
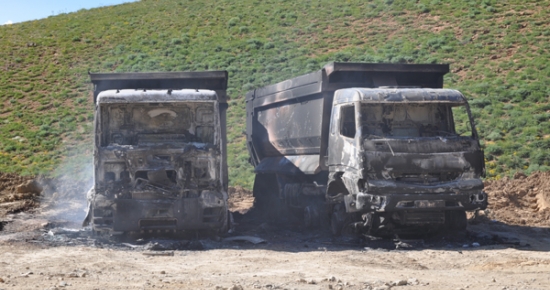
[{"x": 65, "y": 193}]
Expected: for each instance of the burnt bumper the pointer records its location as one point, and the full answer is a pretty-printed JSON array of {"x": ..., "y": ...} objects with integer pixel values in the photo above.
[
  {"x": 206, "y": 212},
  {"x": 387, "y": 196}
]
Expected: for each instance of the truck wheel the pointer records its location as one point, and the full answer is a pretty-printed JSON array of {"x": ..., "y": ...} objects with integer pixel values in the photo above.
[
  {"x": 456, "y": 220},
  {"x": 264, "y": 190},
  {"x": 226, "y": 223},
  {"x": 311, "y": 216},
  {"x": 266, "y": 196},
  {"x": 337, "y": 220}
]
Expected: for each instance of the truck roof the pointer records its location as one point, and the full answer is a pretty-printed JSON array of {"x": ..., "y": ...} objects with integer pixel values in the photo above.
[
  {"x": 398, "y": 95},
  {"x": 156, "y": 96},
  {"x": 206, "y": 80}
]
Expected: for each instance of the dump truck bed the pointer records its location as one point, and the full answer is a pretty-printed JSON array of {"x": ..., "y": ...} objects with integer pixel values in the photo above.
[{"x": 291, "y": 119}]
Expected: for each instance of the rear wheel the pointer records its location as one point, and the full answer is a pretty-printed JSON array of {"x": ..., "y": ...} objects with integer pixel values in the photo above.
[
  {"x": 225, "y": 223},
  {"x": 311, "y": 216},
  {"x": 266, "y": 195}
]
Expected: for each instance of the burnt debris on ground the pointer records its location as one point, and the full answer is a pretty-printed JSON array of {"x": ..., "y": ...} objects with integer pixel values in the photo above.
[
  {"x": 273, "y": 236},
  {"x": 54, "y": 220}
]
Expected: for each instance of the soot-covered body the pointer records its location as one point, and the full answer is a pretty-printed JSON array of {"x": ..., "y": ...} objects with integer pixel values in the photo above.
[
  {"x": 404, "y": 157},
  {"x": 159, "y": 157},
  {"x": 371, "y": 146}
]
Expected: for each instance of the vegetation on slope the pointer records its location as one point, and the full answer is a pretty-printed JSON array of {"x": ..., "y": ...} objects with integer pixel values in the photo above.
[{"x": 498, "y": 51}]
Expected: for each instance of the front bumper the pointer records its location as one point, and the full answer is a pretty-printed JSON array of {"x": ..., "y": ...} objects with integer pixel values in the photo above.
[
  {"x": 384, "y": 196},
  {"x": 206, "y": 212}
]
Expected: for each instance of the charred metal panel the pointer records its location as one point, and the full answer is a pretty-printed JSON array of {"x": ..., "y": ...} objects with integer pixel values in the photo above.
[
  {"x": 335, "y": 76},
  {"x": 434, "y": 198},
  {"x": 366, "y": 95},
  {"x": 292, "y": 89},
  {"x": 145, "y": 123},
  {"x": 347, "y": 75},
  {"x": 250, "y": 121},
  {"x": 344, "y": 141},
  {"x": 424, "y": 167},
  {"x": 277, "y": 131},
  {"x": 403, "y": 187},
  {"x": 182, "y": 214},
  {"x": 292, "y": 165},
  {"x": 430, "y": 146},
  {"x": 153, "y": 96}
]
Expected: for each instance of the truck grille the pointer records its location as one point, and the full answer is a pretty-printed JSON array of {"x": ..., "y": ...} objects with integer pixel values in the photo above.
[
  {"x": 425, "y": 178},
  {"x": 421, "y": 217},
  {"x": 144, "y": 139},
  {"x": 158, "y": 223}
]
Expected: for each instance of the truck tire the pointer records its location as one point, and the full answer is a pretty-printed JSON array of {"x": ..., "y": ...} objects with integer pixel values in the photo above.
[
  {"x": 456, "y": 220},
  {"x": 226, "y": 224},
  {"x": 311, "y": 216},
  {"x": 266, "y": 195},
  {"x": 337, "y": 219}
]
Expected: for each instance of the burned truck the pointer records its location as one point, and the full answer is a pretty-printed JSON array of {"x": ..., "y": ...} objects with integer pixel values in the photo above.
[
  {"x": 377, "y": 148},
  {"x": 159, "y": 153}
]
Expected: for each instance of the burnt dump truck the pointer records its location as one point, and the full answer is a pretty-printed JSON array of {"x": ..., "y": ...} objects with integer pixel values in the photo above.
[
  {"x": 159, "y": 153},
  {"x": 372, "y": 147}
]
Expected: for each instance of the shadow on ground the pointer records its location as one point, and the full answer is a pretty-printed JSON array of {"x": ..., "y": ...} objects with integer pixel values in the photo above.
[{"x": 62, "y": 229}]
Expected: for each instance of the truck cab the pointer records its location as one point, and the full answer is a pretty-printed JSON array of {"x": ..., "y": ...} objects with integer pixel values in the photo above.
[
  {"x": 406, "y": 155},
  {"x": 159, "y": 153}
]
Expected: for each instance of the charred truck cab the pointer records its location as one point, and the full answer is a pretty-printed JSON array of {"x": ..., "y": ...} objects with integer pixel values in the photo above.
[
  {"x": 160, "y": 152},
  {"x": 375, "y": 147}
]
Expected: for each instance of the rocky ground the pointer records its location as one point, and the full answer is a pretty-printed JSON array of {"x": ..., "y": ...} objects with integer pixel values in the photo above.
[{"x": 42, "y": 246}]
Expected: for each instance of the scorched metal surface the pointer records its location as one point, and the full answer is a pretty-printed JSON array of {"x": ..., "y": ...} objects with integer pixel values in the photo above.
[
  {"x": 376, "y": 147},
  {"x": 160, "y": 152}
]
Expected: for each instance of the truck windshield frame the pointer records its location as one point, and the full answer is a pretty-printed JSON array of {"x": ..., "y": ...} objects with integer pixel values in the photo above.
[
  {"x": 405, "y": 120},
  {"x": 140, "y": 123}
]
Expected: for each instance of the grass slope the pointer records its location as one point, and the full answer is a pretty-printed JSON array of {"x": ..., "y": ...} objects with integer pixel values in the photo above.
[{"x": 498, "y": 51}]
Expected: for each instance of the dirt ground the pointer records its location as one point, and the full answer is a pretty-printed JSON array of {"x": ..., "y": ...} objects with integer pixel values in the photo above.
[
  {"x": 525, "y": 200},
  {"x": 42, "y": 246}
]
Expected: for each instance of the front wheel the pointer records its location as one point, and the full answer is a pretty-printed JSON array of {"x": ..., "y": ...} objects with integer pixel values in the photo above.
[
  {"x": 311, "y": 216},
  {"x": 226, "y": 223},
  {"x": 337, "y": 219},
  {"x": 456, "y": 220}
]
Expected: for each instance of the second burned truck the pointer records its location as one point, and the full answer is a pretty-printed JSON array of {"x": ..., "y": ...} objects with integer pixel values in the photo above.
[{"x": 375, "y": 147}]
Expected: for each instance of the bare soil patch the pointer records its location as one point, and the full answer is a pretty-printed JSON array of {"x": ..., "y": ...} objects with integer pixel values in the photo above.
[
  {"x": 12, "y": 200},
  {"x": 523, "y": 200},
  {"x": 240, "y": 199}
]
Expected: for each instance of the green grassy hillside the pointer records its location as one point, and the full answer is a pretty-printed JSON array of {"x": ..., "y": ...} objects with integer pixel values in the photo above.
[{"x": 498, "y": 51}]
